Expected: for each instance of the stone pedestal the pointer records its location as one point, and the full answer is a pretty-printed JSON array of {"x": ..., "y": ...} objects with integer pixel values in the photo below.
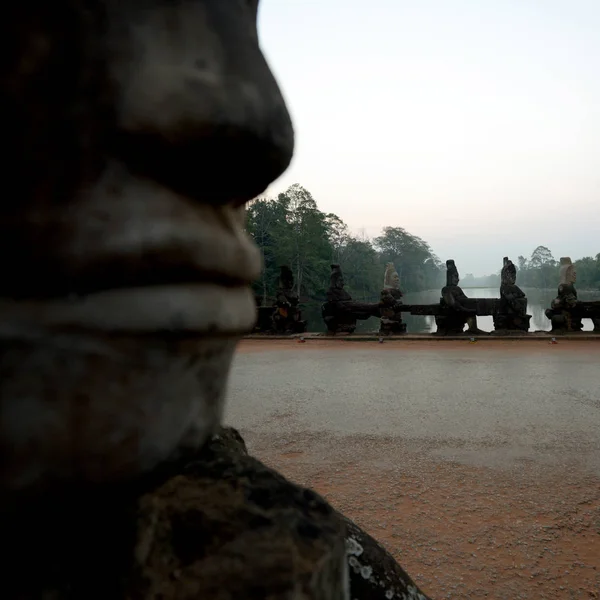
[
  {"x": 391, "y": 327},
  {"x": 564, "y": 321},
  {"x": 509, "y": 323},
  {"x": 450, "y": 324},
  {"x": 337, "y": 323}
]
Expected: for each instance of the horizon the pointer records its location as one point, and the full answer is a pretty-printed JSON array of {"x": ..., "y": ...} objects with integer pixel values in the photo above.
[{"x": 455, "y": 121}]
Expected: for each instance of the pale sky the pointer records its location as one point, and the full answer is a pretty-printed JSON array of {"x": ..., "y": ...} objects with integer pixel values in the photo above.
[{"x": 474, "y": 124}]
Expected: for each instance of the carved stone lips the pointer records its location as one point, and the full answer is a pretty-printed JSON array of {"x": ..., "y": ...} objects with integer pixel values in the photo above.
[
  {"x": 132, "y": 231},
  {"x": 135, "y": 256},
  {"x": 195, "y": 309}
]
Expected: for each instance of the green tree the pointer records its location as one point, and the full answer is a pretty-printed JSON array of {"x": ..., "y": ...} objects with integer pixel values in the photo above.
[
  {"x": 588, "y": 272},
  {"x": 266, "y": 224},
  {"x": 417, "y": 265},
  {"x": 522, "y": 262},
  {"x": 363, "y": 272},
  {"x": 542, "y": 268},
  {"x": 306, "y": 245},
  {"x": 337, "y": 232}
]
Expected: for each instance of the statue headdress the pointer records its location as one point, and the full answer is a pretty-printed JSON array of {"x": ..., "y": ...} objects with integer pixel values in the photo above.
[
  {"x": 389, "y": 282},
  {"x": 286, "y": 278},
  {"x": 451, "y": 270},
  {"x": 336, "y": 275},
  {"x": 564, "y": 272},
  {"x": 509, "y": 271}
]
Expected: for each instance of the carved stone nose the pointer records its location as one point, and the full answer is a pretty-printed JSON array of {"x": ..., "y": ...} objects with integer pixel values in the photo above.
[{"x": 198, "y": 108}]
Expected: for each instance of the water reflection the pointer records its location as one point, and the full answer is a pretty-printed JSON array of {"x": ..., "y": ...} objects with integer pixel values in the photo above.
[{"x": 538, "y": 302}]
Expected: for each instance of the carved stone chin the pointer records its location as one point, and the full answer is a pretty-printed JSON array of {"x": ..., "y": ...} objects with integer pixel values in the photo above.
[
  {"x": 93, "y": 408},
  {"x": 133, "y": 135}
]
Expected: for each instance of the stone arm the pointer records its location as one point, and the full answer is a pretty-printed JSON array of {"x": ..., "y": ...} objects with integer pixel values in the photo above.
[
  {"x": 455, "y": 302},
  {"x": 363, "y": 310},
  {"x": 568, "y": 298},
  {"x": 282, "y": 300},
  {"x": 391, "y": 299},
  {"x": 338, "y": 296},
  {"x": 514, "y": 292}
]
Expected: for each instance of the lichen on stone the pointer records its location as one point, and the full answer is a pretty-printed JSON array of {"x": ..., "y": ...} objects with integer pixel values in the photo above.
[{"x": 353, "y": 547}]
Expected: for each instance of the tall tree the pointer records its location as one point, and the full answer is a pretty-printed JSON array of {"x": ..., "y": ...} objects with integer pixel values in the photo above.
[
  {"x": 362, "y": 269},
  {"x": 266, "y": 222},
  {"x": 417, "y": 265},
  {"x": 542, "y": 267},
  {"x": 522, "y": 262},
  {"x": 308, "y": 245}
]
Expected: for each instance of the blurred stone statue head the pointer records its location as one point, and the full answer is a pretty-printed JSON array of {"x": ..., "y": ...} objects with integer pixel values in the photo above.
[
  {"x": 336, "y": 279},
  {"x": 133, "y": 134},
  {"x": 286, "y": 278},
  {"x": 567, "y": 273},
  {"x": 391, "y": 279},
  {"x": 508, "y": 275},
  {"x": 452, "y": 277}
]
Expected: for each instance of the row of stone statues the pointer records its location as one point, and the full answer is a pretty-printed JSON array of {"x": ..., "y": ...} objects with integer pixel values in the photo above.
[
  {"x": 456, "y": 309},
  {"x": 453, "y": 313}
]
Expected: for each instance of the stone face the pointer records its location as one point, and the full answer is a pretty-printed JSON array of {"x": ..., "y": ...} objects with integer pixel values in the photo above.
[
  {"x": 221, "y": 526},
  {"x": 133, "y": 135}
]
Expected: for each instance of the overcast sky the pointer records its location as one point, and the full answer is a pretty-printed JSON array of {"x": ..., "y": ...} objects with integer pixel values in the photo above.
[{"x": 474, "y": 124}]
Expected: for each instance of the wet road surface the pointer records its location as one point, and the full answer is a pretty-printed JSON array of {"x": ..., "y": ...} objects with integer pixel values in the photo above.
[{"x": 484, "y": 403}]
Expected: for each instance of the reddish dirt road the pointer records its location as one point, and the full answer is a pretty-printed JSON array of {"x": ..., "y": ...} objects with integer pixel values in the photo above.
[
  {"x": 460, "y": 531},
  {"x": 460, "y": 524}
]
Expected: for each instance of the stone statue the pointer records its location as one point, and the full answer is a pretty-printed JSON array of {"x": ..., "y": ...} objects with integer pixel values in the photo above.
[
  {"x": 457, "y": 308},
  {"x": 563, "y": 313},
  {"x": 336, "y": 291},
  {"x": 391, "y": 299},
  {"x": 337, "y": 319},
  {"x": 134, "y": 133},
  {"x": 287, "y": 317},
  {"x": 340, "y": 312},
  {"x": 511, "y": 314}
]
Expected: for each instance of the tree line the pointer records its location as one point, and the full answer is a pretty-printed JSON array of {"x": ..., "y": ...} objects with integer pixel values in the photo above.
[
  {"x": 291, "y": 230},
  {"x": 540, "y": 271}
]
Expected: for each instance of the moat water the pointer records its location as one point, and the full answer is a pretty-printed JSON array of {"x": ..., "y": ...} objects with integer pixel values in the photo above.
[{"x": 538, "y": 302}]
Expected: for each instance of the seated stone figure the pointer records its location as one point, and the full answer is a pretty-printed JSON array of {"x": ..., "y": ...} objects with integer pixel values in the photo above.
[
  {"x": 287, "y": 317},
  {"x": 458, "y": 309},
  {"x": 564, "y": 313},
  {"x": 391, "y": 298},
  {"x": 511, "y": 314},
  {"x": 337, "y": 318},
  {"x": 340, "y": 312}
]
